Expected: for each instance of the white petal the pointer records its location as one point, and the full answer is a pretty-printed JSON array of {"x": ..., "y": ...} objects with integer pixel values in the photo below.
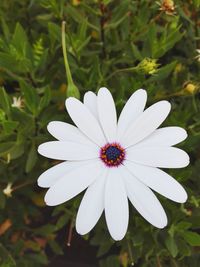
[
  {"x": 90, "y": 101},
  {"x": 131, "y": 111},
  {"x": 52, "y": 175},
  {"x": 61, "y": 150},
  {"x": 144, "y": 200},
  {"x": 167, "y": 136},
  {"x": 73, "y": 183},
  {"x": 107, "y": 113},
  {"x": 162, "y": 157},
  {"x": 85, "y": 121},
  {"x": 158, "y": 180},
  {"x": 66, "y": 132},
  {"x": 116, "y": 205},
  {"x": 146, "y": 123},
  {"x": 92, "y": 206}
]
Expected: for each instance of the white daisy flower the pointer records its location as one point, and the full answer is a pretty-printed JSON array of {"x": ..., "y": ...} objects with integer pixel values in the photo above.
[{"x": 114, "y": 160}]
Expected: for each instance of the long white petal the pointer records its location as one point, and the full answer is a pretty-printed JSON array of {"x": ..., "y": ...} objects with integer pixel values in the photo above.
[
  {"x": 90, "y": 100},
  {"x": 61, "y": 150},
  {"x": 92, "y": 206},
  {"x": 53, "y": 174},
  {"x": 131, "y": 111},
  {"x": 146, "y": 123},
  {"x": 167, "y": 136},
  {"x": 144, "y": 200},
  {"x": 66, "y": 132},
  {"x": 116, "y": 205},
  {"x": 107, "y": 113},
  {"x": 158, "y": 180},
  {"x": 162, "y": 157},
  {"x": 73, "y": 183},
  {"x": 85, "y": 120}
]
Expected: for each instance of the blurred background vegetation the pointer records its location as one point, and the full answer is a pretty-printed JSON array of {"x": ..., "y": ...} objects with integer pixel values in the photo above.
[{"x": 124, "y": 45}]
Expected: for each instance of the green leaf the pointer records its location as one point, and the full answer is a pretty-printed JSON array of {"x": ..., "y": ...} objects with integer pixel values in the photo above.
[
  {"x": 5, "y": 147},
  {"x": 171, "y": 246},
  {"x": 192, "y": 238},
  {"x": 163, "y": 72},
  {"x": 31, "y": 159},
  {"x": 9, "y": 126},
  {"x": 182, "y": 226},
  {"x": 20, "y": 40},
  {"x": 31, "y": 97},
  {"x": 6, "y": 259},
  {"x": 54, "y": 32},
  {"x": 44, "y": 101},
  {"x": 16, "y": 151},
  {"x": 79, "y": 17},
  {"x": 104, "y": 248},
  {"x": 4, "y": 101}
]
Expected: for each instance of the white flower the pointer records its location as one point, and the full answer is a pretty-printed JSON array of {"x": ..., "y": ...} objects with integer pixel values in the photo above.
[
  {"x": 115, "y": 160},
  {"x": 198, "y": 56},
  {"x": 17, "y": 102},
  {"x": 8, "y": 190}
]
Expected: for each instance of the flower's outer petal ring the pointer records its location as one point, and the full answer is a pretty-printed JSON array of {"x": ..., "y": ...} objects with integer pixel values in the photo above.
[
  {"x": 53, "y": 174},
  {"x": 166, "y": 136},
  {"x": 66, "y": 132},
  {"x": 161, "y": 157},
  {"x": 85, "y": 121},
  {"x": 92, "y": 206},
  {"x": 68, "y": 151},
  {"x": 116, "y": 205},
  {"x": 146, "y": 123},
  {"x": 73, "y": 183},
  {"x": 158, "y": 180},
  {"x": 90, "y": 101},
  {"x": 131, "y": 111},
  {"x": 144, "y": 201},
  {"x": 107, "y": 113}
]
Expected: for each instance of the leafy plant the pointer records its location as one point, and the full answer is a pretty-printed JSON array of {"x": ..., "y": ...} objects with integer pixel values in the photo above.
[{"x": 124, "y": 45}]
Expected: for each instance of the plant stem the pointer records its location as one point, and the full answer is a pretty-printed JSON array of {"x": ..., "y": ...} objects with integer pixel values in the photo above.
[
  {"x": 158, "y": 261},
  {"x": 120, "y": 70},
  {"x": 69, "y": 238},
  {"x": 67, "y": 69},
  {"x": 130, "y": 252},
  {"x": 21, "y": 185}
]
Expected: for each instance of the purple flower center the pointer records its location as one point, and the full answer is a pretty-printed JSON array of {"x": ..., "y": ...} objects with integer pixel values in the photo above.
[{"x": 112, "y": 154}]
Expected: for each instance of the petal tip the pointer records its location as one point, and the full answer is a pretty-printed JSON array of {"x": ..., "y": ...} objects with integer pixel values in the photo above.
[
  {"x": 40, "y": 149},
  {"x": 141, "y": 90},
  {"x": 80, "y": 231},
  {"x": 49, "y": 202},
  {"x": 184, "y": 197},
  {"x": 117, "y": 236},
  {"x": 50, "y": 126},
  {"x": 103, "y": 90},
  {"x": 162, "y": 225},
  {"x": 69, "y": 101},
  {"x": 39, "y": 182}
]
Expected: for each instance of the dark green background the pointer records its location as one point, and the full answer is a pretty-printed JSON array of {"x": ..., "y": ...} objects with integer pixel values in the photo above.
[{"x": 113, "y": 44}]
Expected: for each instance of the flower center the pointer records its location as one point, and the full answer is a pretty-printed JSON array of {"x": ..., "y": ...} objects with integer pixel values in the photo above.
[{"x": 112, "y": 154}]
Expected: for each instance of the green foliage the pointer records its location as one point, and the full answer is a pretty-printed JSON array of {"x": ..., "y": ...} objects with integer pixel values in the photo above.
[{"x": 124, "y": 45}]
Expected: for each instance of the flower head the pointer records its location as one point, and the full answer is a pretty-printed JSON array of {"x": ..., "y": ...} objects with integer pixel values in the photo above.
[
  {"x": 148, "y": 66},
  {"x": 17, "y": 102},
  {"x": 198, "y": 56},
  {"x": 8, "y": 190},
  {"x": 115, "y": 160},
  {"x": 167, "y": 6}
]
